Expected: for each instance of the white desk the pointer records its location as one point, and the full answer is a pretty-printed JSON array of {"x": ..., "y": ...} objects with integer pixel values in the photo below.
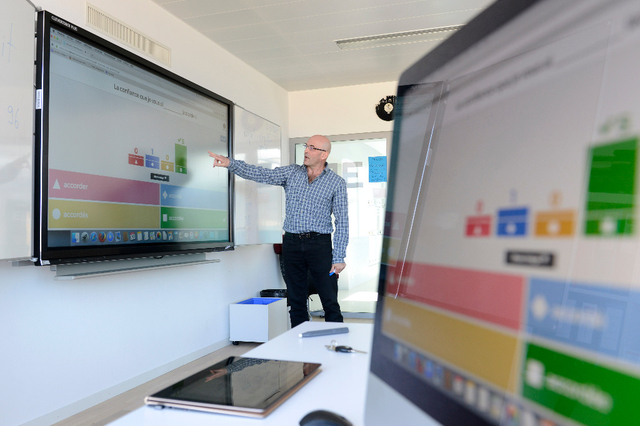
[{"x": 340, "y": 387}]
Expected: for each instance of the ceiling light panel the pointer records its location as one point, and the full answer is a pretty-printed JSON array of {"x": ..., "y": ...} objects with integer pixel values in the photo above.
[{"x": 406, "y": 37}]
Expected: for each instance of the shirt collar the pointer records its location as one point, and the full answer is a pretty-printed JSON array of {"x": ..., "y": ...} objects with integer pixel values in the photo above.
[{"x": 324, "y": 170}]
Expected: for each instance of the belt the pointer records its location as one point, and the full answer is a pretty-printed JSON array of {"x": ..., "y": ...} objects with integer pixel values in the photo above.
[{"x": 304, "y": 235}]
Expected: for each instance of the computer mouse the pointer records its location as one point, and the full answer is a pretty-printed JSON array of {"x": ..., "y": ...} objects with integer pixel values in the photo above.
[{"x": 324, "y": 418}]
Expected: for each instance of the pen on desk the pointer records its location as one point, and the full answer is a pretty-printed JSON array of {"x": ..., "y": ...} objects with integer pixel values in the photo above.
[{"x": 314, "y": 333}]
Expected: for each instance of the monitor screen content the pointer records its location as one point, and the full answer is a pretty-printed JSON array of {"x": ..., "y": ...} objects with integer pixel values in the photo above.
[
  {"x": 510, "y": 284},
  {"x": 124, "y": 164}
]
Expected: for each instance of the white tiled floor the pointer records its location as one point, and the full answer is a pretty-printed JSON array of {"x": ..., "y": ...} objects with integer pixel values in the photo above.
[{"x": 360, "y": 299}]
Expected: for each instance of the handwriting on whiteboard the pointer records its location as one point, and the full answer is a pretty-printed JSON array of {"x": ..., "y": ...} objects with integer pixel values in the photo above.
[
  {"x": 7, "y": 45},
  {"x": 13, "y": 116}
]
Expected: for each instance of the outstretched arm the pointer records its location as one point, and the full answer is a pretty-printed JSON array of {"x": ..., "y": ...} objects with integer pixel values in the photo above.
[{"x": 277, "y": 176}]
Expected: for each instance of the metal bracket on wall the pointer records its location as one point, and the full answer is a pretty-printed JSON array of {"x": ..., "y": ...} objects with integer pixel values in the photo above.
[{"x": 96, "y": 269}]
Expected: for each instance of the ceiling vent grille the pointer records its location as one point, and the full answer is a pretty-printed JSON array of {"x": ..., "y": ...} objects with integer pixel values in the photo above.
[{"x": 110, "y": 26}]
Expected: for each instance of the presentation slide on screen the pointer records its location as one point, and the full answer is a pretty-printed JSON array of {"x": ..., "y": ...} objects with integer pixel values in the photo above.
[
  {"x": 522, "y": 262},
  {"x": 128, "y": 153}
]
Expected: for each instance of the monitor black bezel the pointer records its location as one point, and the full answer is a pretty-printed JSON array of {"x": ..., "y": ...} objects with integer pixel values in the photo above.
[
  {"x": 429, "y": 399},
  {"x": 43, "y": 254}
]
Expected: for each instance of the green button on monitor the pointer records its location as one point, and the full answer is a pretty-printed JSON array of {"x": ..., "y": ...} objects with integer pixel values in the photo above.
[{"x": 580, "y": 390}]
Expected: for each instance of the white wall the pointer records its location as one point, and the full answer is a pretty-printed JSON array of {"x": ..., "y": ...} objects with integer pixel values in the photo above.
[
  {"x": 338, "y": 110},
  {"x": 69, "y": 345}
]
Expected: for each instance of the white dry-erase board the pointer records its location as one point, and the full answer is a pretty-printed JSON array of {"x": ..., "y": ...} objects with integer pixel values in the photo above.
[
  {"x": 258, "y": 207},
  {"x": 17, "y": 28}
]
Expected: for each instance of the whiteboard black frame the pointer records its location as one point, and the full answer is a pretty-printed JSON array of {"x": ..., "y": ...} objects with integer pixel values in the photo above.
[{"x": 45, "y": 255}]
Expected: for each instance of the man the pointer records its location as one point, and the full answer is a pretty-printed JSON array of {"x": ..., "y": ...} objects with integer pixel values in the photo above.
[{"x": 313, "y": 193}]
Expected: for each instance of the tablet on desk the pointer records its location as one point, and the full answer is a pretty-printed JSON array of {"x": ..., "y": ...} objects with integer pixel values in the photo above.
[{"x": 239, "y": 386}]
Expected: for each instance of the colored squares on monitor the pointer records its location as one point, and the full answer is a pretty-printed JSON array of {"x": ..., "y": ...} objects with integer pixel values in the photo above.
[
  {"x": 167, "y": 166},
  {"x": 152, "y": 161},
  {"x": 555, "y": 223},
  {"x": 611, "y": 192},
  {"x": 136, "y": 160},
  {"x": 478, "y": 226},
  {"x": 512, "y": 222}
]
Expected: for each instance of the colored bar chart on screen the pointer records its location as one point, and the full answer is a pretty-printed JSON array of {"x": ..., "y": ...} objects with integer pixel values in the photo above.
[
  {"x": 512, "y": 222},
  {"x": 579, "y": 389},
  {"x": 152, "y": 161},
  {"x": 181, "y": 159},
  {"x": 478, "y": 226},
  {"x": 136, "y": 160},
  {"x": 611, "y": 193},
  {"x": 167, "y": 166},
  {"x": 561, "y": 223}
]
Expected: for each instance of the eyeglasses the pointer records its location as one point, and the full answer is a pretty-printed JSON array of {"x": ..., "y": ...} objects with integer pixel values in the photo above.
[{"x": 311, "y": 147}]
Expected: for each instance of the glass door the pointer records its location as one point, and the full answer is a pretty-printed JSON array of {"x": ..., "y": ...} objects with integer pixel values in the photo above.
[{"x": 363, "y": 164}]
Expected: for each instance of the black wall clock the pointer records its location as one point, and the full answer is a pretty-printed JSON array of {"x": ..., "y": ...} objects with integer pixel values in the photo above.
[{"x": 385, "y": 109}]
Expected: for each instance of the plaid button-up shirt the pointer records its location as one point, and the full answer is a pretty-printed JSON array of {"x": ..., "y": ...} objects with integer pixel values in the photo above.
[{"x": 309, "y": 206}]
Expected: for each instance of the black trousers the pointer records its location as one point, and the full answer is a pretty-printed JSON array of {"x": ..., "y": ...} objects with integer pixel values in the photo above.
[{"x": 310, "y": 254}]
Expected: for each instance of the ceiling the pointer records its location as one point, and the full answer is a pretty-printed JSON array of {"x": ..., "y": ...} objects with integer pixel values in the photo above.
[{"x": 292, "y": 42}]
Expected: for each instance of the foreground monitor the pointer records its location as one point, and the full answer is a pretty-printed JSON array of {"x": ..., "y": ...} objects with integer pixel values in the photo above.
[
  {"x": 510, "y": 284},
  {"x": 123, "y": 165}
]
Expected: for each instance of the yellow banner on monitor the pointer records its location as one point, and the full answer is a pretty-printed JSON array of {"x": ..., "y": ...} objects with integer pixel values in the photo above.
[
  {"x": 487, "y": 354},
  {"x": 65, "y": 214}
]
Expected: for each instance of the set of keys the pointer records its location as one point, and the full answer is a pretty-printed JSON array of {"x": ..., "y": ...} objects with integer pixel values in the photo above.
[{"x": 344, "y": 349}]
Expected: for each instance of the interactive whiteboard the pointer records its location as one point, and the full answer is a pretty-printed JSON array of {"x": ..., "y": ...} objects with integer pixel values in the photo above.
[
  {"x": 122, "y": 154},
  {"x": 258, "y": 207},
  {"x": 17, "y": 25}
]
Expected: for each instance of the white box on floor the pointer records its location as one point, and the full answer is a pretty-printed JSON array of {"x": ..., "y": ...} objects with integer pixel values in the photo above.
[{"x": 258, "y": 319}]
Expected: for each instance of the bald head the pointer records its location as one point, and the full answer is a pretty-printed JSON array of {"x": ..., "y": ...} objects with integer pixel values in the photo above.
[{"x": 321, "y": 142}]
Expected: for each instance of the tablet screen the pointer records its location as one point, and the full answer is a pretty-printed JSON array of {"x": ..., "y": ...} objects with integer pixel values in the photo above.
[{"x": 240, "y": 383}]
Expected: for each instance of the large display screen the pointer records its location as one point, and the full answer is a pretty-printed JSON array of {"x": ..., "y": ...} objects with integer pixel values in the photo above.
[
  {"x": 510, "y": 290},
  {"x": 124, "y": 170}
]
